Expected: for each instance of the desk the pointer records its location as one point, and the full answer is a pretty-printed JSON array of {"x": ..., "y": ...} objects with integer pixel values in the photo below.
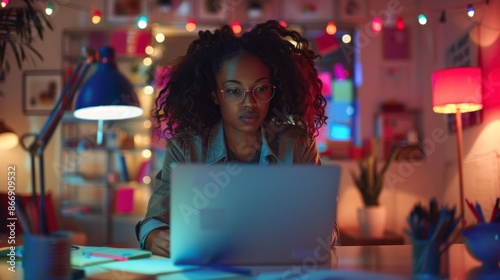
[
  {"x": 394, "y": 260},
  {"x": 352, "y": 237}
]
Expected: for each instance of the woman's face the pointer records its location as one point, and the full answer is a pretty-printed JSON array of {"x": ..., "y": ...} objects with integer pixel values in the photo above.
[{"x": 248, "y": 73}]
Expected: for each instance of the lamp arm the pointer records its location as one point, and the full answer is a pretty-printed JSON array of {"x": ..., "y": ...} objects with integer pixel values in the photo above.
[
  {"x": 63, "y": 103},
  {"x": 38, "y": 145}
]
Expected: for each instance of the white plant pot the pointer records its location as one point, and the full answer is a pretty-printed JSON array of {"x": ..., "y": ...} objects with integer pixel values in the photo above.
[{"x": 372, "y": 221}]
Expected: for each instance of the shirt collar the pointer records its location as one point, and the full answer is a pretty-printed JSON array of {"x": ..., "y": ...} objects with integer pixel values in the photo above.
[{"x": 217, "y": 152}]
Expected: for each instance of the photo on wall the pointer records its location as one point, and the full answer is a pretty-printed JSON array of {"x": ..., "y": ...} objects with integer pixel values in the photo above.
[{"x": 41, "y": 89}]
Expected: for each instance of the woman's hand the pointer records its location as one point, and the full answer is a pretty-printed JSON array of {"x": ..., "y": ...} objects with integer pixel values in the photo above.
[{"x": 158, "y": 242}]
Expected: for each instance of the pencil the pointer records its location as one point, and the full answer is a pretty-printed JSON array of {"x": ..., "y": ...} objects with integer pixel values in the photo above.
[
  {"x": 23, "y": 219},
  {"x": 480, "y": 213},
  {"x": 495, "y": 210},
  {"x": 473, "y": 210}
]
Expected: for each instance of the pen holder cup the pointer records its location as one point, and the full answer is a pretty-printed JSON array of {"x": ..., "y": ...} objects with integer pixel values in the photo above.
[
  {"x": 428, "y": 259},
  {"x": 47, "y": 256}
]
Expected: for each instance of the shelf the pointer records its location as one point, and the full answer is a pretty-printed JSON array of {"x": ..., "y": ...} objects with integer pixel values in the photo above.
[
  {"x": 105, "y": 149},
  {"x": 71, "y": 208},
  {"x": 77, "y": 179},
  {"x": 94, "y": 171}
]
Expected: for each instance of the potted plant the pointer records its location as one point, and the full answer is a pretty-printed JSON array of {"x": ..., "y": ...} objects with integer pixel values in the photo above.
[
  {"x": 370, "y": 181},
  {"x": 20, "y": 24}
]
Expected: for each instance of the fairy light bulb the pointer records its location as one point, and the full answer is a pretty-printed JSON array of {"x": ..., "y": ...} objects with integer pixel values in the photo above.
[
  {"x": 147, "y": 61},
  {"x": 160, "y": 37},
  {"x": 96, "y": 17},
  {"x": 422, "y": 19},
  {"x": 149, "y": 50},
  {"x": 146, "y": 153},
  {"x": 4, "y": 3},
  {"x": 346, "y": 38},
  {"x": 331, "y": 28},
  {"x": 236, "y": 26},
  {"x": 148, "y": 90},
  {"x": 400, "y": 23},
  {"x": 49, "y": 9},
  {"x": 190, "y": 25},
  {"x": 376, "y": 24},
  {"x": 470, "y": 10},
  {"x": 283, "y": 23},
  {"x": 142, "y": 22}
]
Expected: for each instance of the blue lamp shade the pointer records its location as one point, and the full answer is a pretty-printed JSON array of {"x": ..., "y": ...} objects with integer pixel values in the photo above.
[{"x": 107, "y": 94}]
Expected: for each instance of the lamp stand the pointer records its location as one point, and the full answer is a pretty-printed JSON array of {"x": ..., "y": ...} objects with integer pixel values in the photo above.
[{"x": 458, "y": 122}]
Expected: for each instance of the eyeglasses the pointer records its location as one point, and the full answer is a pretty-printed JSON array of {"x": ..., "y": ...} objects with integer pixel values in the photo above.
[{"x": 235, "y": 94}]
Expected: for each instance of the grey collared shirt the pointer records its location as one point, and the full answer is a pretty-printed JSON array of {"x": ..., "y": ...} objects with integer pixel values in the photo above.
[{"x": 281, "y": 144}]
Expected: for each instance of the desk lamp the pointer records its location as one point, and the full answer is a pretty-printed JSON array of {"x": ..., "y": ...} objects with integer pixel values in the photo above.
[
  {"x": 8, "y": 138},
  {"x": 106, "y": 95},
  {"x": 456, "y": 91}
]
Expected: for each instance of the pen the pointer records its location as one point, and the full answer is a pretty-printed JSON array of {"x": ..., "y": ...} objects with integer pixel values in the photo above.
[
  {"x": 495, "y": 210},
  {"x": 109, "y": 256},
  {"x": 23, "y": 219},
  {"x": 480, "y": 212},
  {"x": 473, "y": 210}
]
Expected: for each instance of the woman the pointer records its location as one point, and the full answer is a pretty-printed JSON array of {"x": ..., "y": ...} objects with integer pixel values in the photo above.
[{"x": 252, "y": 98}]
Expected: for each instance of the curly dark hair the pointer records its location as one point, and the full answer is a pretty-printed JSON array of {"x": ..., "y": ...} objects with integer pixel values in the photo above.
[{"x": 185, "y": 103}]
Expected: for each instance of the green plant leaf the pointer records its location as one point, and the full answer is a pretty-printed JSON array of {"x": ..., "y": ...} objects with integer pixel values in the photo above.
[{"x": 17, "y": 29}]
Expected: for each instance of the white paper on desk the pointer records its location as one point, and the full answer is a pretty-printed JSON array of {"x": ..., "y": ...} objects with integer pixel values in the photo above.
[
  {"x": 327, "y": 274},
  {"x": 148, "y": 266}
]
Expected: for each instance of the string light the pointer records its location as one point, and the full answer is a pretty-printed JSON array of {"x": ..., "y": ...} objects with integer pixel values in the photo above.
[
  {"x": 190, "y": 25},
  {"x": 160, "y": 37},
  {"x": 149, "y": 50},
  {"x": 49, "y": 9},
  {"x": 147, "y": 61},
  {"x": 283, "y": 23},
  {"x": 346, "y": 38},
  {"x": 96, "y": 17},
  {"x": 4, "y": 3},
  {"x": 422, "y": 16},
  {"x": 236, "y": 26},
  {"x": 400, "y": 23},
  {"x": 422, "y": 19},
  {"x": 376, "y": 24},
  {"x": 331, "y": 28},
  {"x": 470, "y": 10},
  {"x": 142, "y": 22}
]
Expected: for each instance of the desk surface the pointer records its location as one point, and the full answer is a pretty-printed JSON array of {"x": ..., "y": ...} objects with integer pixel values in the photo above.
[{"x": 388, "y": 259}]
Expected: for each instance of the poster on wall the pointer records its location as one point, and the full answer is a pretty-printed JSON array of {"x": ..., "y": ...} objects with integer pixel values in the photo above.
[
  {"x": 41, "y": 89},
  {"x": 308, "y": 11},
  {"x": 463, "y": 52}
]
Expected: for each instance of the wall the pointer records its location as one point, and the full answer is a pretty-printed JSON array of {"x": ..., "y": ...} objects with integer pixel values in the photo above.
[
  {"x": 409, "y": 182},
  {"x": 11, "y": 102}
]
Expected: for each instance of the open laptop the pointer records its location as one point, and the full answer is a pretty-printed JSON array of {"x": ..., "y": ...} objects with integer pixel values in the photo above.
[{"x": 252, "y": 215}]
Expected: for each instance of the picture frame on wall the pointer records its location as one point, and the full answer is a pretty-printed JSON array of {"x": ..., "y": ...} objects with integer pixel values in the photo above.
[
  {"x": 352, "y": 10},
  {"x": 41, "y": 89},
  {"x": 125, "y": 11},
  {"x": 213, "y": 10},
  {"x": 308, "y": 10}
]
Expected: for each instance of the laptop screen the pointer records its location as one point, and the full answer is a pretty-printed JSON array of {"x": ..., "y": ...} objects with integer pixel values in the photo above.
[{"x": 252, "y": 215}]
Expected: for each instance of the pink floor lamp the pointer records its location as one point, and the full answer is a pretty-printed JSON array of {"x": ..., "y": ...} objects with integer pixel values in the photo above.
[{"x": 456, "y": 91}]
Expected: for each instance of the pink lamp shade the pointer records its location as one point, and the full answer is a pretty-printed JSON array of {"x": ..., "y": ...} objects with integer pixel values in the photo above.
[{"x": 457, "y": 89}]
